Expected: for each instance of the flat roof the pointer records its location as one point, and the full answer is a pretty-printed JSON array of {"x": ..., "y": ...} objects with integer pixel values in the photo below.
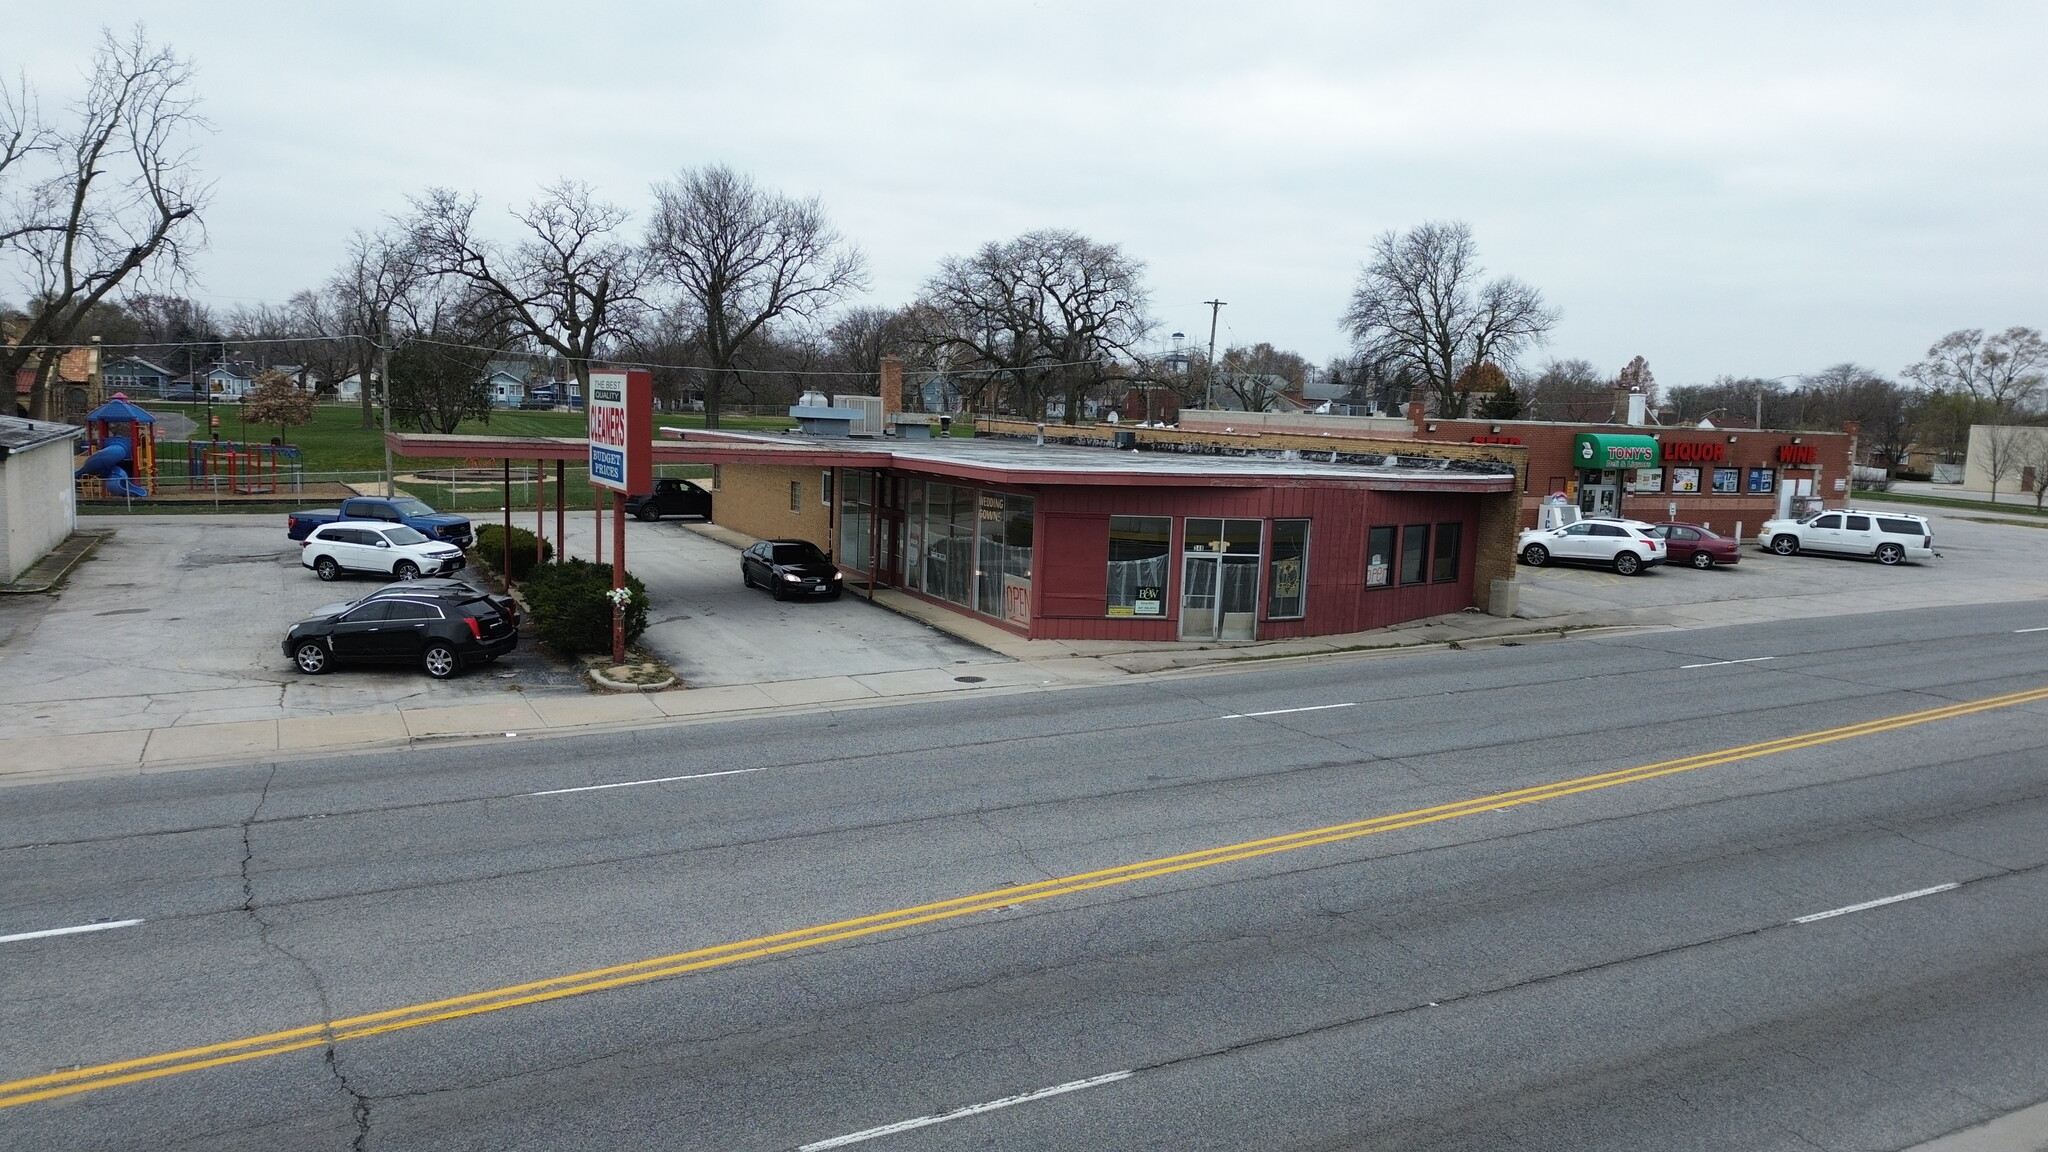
[{"x": 1000, "y": 460}]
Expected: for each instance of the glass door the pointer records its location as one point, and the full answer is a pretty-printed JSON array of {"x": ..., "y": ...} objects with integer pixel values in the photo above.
[{"x": 1198, "y": 579}]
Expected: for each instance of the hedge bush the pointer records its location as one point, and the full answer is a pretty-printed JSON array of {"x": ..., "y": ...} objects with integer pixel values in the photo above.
[
  {"x": 490, "y": 550},
  {"x": 572, "y": 607}
]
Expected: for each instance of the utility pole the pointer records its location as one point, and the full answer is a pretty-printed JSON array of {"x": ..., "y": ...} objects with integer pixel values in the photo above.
[
  {"x": 1215, "y": 307},
  {"x": 384, "y": 382}
]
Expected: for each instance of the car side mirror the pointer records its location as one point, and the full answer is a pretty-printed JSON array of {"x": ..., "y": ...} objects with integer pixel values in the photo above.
[{"x": 383, "y": 543}]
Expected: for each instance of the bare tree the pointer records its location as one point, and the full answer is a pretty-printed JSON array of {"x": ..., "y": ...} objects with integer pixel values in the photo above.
[
  {"x": 2005, "y": 368},
  {"x": 1256, "y": 376},
  {"x": 570, "y": 283},
  {"x": 95, "y": 201},
  {"x": 857, "y": 341},
  {"x": 1046, "y": 314},
  {"x": 744, "y": 258},
  {"x": 1568, "y": 390},
  {"x": 1422, "y": 301},
  {"x": 381, "y": 268}
]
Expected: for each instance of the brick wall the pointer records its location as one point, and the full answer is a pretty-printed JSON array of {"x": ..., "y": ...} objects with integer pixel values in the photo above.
[
  {"x": 1551, "y": 468},
  {"x": 754, "y": 498}
]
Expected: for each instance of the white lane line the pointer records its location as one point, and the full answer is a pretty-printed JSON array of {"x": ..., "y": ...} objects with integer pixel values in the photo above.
[
  {"x": 71, "y": 931},
  {"x": 1868, "y": 904},
  {"x": 2017, "y": 631},
  {"x": 1285, "y": 711},
  {"x": 970, "y": 1110},
  {"x": 637, "y": 783},
  {"x": 1719, "y": 663}
]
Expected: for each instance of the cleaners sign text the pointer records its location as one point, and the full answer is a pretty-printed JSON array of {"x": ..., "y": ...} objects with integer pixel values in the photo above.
[{"x": 621, "y": 406}]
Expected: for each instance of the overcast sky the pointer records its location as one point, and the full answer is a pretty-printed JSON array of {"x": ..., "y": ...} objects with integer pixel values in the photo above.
[{"x": 1747, "y": 189}]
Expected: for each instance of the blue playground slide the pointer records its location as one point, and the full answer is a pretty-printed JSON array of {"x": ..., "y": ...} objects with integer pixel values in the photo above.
[{"x": 108, "y": 464}]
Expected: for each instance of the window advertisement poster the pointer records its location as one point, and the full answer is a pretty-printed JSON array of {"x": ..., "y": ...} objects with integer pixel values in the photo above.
[
  {"x": 1727, "y": 480},
  {"x": 1150, "y": 601},
  {"x": 1685, "y": 479},
  {"x": 1379, "y": 552},
  {"x": 1763, "y": 481},
  {"x": 1646, "y": 480},
  {"x": 621, "y": 406}
]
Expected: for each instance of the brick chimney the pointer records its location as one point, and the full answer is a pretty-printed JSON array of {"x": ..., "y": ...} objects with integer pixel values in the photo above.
[{"x": 891, "y": 385}]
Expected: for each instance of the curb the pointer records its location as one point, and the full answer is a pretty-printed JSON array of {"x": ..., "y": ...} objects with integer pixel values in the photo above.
[
  {"x": 50, "y": 571},
  {"x": 627, "y": 686}
]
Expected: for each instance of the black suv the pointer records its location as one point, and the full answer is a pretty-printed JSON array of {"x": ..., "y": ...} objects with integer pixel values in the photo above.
[
  {"x": 442, "y": 629},
  {"x": 671, "y": 497}
]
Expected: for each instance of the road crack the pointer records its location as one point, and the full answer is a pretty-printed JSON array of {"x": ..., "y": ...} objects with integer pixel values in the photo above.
[{"x": 359, "y": 1102}]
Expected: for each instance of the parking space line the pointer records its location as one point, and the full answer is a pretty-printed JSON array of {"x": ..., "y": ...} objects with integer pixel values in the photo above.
[
  {"x": 1869, "y": 904},
  {"x": 1285, "y": 711},
  {"x": 637, "y": 783},
  {"x": 1719, "y": 663},
  {"x": 962, "y": 1113},
  {"x": 2017, "y": 631},
  {"x": 71, "y": 931}
]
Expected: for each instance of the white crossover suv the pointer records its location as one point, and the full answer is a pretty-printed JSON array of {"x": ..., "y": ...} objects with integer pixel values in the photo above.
[
  {"x": 375, "y": 546},
  {"x": 1627, "y": 546},
  {"x": 1890, "y": 537}
]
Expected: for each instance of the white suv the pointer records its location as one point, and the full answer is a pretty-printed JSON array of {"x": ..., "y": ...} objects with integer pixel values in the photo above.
[
  {"x": 1889, "y": 536},
  {"x": 1625, "y": 545},
  {"x": 375, "y": 546}
]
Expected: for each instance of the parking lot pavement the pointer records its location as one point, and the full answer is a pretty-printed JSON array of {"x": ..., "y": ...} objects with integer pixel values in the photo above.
[
  {"x": 714, "y": 631},
  {"x": 177, "y": 621},
  {"x": 1982, "y": 560}
]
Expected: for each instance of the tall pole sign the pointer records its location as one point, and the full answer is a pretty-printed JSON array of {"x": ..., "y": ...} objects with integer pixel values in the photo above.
[{"x": 621, "y": 409}]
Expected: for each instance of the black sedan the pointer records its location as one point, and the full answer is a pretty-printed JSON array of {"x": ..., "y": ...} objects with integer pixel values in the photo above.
[
  {"x": 790, "y": 568},
  {"x": 440, "y": 629},
  {"x": 671, "y": 497}
]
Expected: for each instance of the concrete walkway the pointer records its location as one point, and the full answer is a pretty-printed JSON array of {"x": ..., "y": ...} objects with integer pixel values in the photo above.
[{"x": 1984, "y": 561}]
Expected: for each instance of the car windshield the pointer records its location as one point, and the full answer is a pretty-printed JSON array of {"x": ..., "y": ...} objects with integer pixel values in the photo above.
[
  {"x": 411, "y": 508},
  {"x": 798, "y": 554},
  {"x": 405, "y": 535}
]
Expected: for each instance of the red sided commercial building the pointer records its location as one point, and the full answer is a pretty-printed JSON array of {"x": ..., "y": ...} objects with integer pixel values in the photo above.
[{"x": 1719, "y": 477}]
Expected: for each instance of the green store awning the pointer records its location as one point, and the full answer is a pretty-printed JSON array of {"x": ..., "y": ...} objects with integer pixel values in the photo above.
[{"x": 1604, "y": 450}]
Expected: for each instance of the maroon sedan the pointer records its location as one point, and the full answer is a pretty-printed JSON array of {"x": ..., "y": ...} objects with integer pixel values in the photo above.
[{"x": 1694, "y": 545}]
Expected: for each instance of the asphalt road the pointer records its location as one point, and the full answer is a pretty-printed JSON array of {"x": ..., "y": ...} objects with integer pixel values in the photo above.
[{"x": 1613, "y": 964}]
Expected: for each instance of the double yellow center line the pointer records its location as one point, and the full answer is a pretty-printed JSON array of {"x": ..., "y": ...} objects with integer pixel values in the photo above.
[{"x": 88, "y": 1079}]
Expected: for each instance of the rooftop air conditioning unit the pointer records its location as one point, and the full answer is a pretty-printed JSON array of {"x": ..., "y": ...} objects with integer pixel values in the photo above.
[{"x": 870, "y": 409}]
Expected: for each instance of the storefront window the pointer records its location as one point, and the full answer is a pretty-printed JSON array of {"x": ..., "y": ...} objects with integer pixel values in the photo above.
[
  {"x": 1444, "y": 562},
  {"x": 1646, "y": 480},
  {"x": 949, "y": 543},
  {"x": 1018, "y": 528},
  {"x": 1763, "y": 481},
  {"x": 1727, "y": 481},
  {"x": 913, "y": 533},
  {"x": 1287, "y": 571},
  {"x": 1685, "y": 479},
  {"x": 1414, "y": 553},
  {"x": 1379, "y": 557},
  {"x": 856, "y": 518},
  {"x": 1138, "y": 548}
]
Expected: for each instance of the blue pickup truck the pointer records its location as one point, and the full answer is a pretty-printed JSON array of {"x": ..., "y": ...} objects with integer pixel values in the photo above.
[{"x": 399, "y": 510}]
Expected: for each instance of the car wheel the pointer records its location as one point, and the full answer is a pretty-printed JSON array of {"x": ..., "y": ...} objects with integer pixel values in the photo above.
[
  {"x": 746, "y": 577},
  {"x": 1785, "y": 545},
  {"x": 649, "y": 513},
  {"x": 776, "y": 591},
  {"x": 311, "y": 657},
  {"x": 441, "y": 661},
  {"x": 406, "y": 570},
  {"x": 325, "y": 568},
  {"x": 1889, "y": 554},
  {"x": 1535, "y": 555},
  {"x": 1703, "y": 560},
  {"x": 1628, "y": 563}
]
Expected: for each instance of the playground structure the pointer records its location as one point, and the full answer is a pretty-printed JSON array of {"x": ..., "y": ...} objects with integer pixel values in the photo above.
[
  {"x": 240, "y": 467},
  {"x": 120, "y": 451}
]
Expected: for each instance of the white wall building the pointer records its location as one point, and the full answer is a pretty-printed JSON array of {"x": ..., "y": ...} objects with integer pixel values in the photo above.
[
  {"x": 38, "y": 502},
  {"x": 2018, "y": 451}
]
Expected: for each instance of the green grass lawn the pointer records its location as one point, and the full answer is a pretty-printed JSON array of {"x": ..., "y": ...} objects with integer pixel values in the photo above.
[{"x": 1951, "y": 502}]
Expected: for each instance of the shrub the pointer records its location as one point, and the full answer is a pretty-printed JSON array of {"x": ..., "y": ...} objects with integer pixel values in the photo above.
[
  {"x": 490, "y": 550},
  {"x": 572, "y": 607}
]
